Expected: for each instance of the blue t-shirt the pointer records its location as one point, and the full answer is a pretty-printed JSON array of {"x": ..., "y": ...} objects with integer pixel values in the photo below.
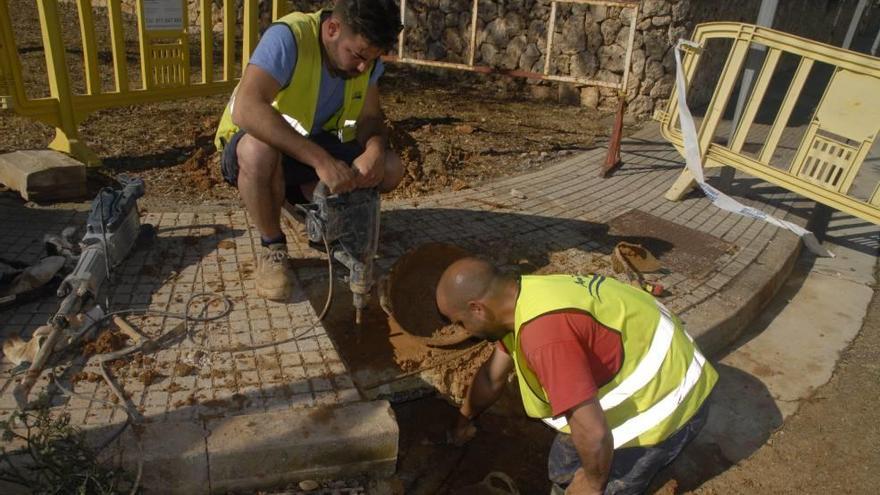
[{"x": 276, "y": 54}]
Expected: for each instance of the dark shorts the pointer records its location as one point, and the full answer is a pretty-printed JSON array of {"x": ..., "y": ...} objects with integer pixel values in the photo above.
[
  {"x": 296, "y": 173},
  {"x": 633, "y": 468}
]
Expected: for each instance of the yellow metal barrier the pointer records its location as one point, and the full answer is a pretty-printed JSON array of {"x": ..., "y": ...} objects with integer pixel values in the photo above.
[
  {"x": 6, "y": 81},
  {"x": 835, "y": 141},
  {"x": 164, "y": 56}
]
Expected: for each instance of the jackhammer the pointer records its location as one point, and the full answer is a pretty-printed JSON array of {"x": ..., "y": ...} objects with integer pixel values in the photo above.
[
  {"x": 112, "y": 228},
  {"x": 348, "y": 225}
]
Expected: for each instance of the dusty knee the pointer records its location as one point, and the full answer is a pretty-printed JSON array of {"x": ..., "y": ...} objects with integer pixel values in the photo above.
[
  {"x": 256, "y": 159},
  {"x": 393, "y": 171}
]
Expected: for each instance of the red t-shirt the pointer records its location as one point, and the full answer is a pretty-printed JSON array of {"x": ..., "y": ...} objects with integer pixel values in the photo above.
[{"x": 572, "y": 354}]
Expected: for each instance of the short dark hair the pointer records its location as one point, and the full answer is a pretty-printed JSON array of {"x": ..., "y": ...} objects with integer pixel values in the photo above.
[{"x": 376, "y": 20}]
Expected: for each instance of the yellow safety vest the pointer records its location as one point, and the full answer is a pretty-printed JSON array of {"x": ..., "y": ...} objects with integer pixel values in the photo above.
[
  {"x": 663, "y": 379},
  {"x": 298, "y": 100}
]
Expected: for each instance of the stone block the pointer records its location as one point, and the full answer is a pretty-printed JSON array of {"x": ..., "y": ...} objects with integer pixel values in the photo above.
[
  {"x": 569, "y": 94},
  {"x": 43, "y": 175},
  {"x": 610, "y": 28},
  {"x": 173, "y": 454},
  {"x": 612, "y": 58},
  {"x": 590, "y": 97},
  {"x": 283, "y": 446}
]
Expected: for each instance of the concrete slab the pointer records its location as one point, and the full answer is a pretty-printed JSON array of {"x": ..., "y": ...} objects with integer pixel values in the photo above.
[
  {"x": 272, "y": 361},
  {"x": 43, "y": 175},
  {"x": 275, "y": 360},
  {"x": 172, "y": 455},
  {"x": 269, "y": 449},
  {"x": 252, "y": 451},
  {"x": 562, "y": 219},
  {"x": 789, "y": 351}
]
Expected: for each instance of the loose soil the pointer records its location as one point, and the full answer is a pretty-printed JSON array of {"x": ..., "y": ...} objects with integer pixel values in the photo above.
[
  {"x": 412, "y": 285},
  {"x": 453, "y": 130},
  {"x": 378, "y": 353},
  {"x": 107, "y": 341},
  {"x": 427, "y": 465}
]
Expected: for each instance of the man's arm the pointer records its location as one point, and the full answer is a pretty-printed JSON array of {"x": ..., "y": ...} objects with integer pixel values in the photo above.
[
  {"x": 486, "y": 388},
  {"x": 595, "y": 446},
  {"x": 373, "y": 136},
  {"x": 253, "y": 112}
]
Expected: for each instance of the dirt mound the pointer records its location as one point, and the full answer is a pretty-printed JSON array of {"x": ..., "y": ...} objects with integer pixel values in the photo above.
[
  {"x": 411, "y": 292},
  {"x": 107, "y": 341}
]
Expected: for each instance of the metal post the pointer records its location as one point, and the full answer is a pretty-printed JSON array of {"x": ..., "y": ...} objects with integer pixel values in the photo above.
[
  {"x": 753, "y": 63},
  {"x": 854, "y": 23},
  {"x": 876, "y": 44},
  {"x": 612, "y": 157}
]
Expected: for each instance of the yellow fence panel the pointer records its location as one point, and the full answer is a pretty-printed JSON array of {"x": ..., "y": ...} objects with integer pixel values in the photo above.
[
  {"x": 164, "y": 56},
  {"x": 837, "y": 136},
  {"x": 6, "y": 79}
]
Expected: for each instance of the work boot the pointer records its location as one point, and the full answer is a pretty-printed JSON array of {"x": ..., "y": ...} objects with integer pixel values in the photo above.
[{"x": 274, "y": 279}]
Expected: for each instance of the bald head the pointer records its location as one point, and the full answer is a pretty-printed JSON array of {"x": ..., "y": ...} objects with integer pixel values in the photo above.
[
  {"x": 467, "y": 279},
  {"x": 479, "y": 297}
]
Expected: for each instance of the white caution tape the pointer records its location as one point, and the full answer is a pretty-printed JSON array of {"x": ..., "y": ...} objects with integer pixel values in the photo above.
[{"x": 695, "y": 166}]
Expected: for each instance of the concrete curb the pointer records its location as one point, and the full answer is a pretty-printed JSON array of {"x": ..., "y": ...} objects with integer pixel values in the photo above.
[
  {"x": 716, "y": 323},
  {"x": 262, "y": 450}
]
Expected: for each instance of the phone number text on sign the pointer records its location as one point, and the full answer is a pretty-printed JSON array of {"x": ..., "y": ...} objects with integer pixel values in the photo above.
[{"x": 163, "y": 14}]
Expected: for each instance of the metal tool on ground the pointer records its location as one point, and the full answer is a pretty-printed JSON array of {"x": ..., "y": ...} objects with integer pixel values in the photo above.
[
  {"x": 112, "y": 229},
  {"x": 495, "y": 483},
  {"x": 633, "y": 260},
  {"x": 348, "y": 226}
]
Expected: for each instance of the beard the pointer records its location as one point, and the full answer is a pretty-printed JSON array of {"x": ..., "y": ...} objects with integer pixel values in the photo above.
[{"x": 337, "y": 72}]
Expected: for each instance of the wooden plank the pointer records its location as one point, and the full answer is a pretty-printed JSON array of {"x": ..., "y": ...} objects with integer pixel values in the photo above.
[
  {"x": 473, "y": 48},
  {"x": 550, "y": 32},
  {"x": 43, "y": 175}
]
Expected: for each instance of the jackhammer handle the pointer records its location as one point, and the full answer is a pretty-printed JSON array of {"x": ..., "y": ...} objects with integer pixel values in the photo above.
[
  {"x": 21, "y": 391},
  {"x": 321, "y": 190}
]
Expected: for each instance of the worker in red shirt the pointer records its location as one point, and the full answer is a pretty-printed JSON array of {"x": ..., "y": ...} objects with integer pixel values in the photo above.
[{"x": 601, "y": 361}]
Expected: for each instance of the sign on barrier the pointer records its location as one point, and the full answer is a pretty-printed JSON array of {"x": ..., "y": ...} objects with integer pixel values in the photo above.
[{"x": 161, "y": 15}]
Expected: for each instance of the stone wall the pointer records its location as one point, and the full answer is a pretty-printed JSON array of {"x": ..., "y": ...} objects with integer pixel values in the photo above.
[{"x": 589, "y": 41}]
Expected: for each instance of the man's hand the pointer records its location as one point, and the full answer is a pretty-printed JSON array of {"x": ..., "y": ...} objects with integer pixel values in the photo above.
[
  {"x": 371, "y": 168},
  {"x": 580, "y": 485},
  {"x": 595, "y": 445},
  {"x": 463, "y": 431},
  {"x": 337, "y": 175}
]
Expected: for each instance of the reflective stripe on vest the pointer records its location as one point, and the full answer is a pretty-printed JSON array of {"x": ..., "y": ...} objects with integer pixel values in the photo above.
[
  {"x": 298, "y": 100},
  {"x": 663, "y": 378},
  {"x": 646, "y": 370}
]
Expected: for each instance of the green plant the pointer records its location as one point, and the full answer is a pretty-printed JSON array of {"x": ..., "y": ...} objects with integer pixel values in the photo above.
[{"x": 54, "y": 457}]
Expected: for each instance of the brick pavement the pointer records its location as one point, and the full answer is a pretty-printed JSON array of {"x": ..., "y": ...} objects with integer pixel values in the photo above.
[{"x": 266, "y": 357}]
